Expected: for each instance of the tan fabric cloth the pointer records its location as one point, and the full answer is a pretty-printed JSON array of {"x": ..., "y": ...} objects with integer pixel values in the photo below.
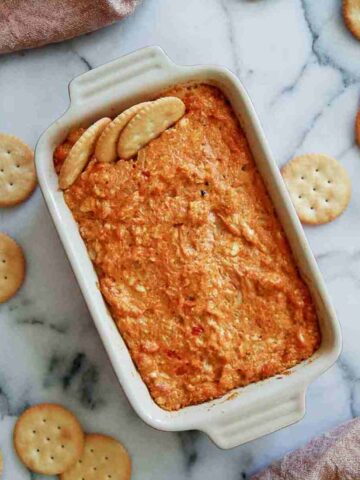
[
  {"x": 333, "y": 456},
  {"x": 32, "y": 23}
]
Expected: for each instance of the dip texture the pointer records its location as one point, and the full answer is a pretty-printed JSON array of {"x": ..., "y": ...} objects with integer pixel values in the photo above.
[{"x": 192, "y": 260}]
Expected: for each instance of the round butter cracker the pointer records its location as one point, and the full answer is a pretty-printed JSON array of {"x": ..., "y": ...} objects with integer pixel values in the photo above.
[
  {"x": 351, "y": 14},
  {"x": 17, "y": 171},
  {"x": 106, "y": 147},
  {"x": 80, "y": 153},
  {"x": 103, "y": 458},
  {"x": 48, "y": 439},
  {"x": 12, "y": 267},
  {"x": 319, "y": 187},
  {"x": 148, "y": 124}
]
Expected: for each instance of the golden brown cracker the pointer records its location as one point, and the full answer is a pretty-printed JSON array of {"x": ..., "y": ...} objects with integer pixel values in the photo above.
[
  {"x": 103, "y": 458},
  {"x": 351, "y": 14},
  {"x": 48, "y": 439},
  {"x": 319, "y": 187},
  {"x": 80, "y": 153},
  {"x": 106, "y": 147},
  {"x": 148, "y": 124},
  {"x": 12, "y": 267},
  {"x": 17, "y": 171}
]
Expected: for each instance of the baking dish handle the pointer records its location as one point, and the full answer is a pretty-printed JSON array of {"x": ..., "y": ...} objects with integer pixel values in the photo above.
[
  {"x": 263, "y": 418},
  {"x": 122, "y": 74}
]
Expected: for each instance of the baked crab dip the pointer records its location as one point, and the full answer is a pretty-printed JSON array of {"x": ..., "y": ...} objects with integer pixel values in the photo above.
[{"x": 191, "y": 258}]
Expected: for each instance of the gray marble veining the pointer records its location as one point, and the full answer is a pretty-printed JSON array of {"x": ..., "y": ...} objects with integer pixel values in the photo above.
[{"x": 302, "y": 70}]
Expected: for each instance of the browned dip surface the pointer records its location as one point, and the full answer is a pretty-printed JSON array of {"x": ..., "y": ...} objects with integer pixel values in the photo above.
[{"x": 192, "y": 260}]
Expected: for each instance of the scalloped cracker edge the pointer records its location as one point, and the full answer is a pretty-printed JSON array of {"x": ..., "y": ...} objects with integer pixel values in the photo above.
[
  {"x": 148, "y": 124},
  {"x": 17, "y": 171},
  {"x": 319, "y": 187},
  {"x": 105, "y": 456},
  {"x": 12, "y": 267},
  {"x": 48, "y": 439},
  {"x": 106, "y": 147},
  {"x": 80, "y": 153},
  {"x": 351, "y": 14}
]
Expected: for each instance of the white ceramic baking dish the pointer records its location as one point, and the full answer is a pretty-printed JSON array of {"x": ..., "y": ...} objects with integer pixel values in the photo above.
[{"x": 259, "y": 408}]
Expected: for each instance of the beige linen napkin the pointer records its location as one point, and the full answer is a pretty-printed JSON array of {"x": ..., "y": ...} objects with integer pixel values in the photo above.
[
  {"x": 32, "y": 23},
  {"x": 333, "y": 456}
]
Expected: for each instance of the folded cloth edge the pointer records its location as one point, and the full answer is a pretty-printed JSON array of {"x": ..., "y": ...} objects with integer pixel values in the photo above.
[
  {"x": 332, "y": 456},
  {"x": 25, "y": 24}
]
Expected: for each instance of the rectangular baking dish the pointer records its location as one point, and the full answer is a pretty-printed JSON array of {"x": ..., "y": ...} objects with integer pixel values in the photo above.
[{"x": 252, "y": 411}]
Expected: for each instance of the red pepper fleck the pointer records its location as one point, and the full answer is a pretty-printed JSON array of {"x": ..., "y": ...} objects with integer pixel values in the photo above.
[
  {"x": 173, "y": 354},
  {"x": 146, "y": 173},
  {"x": 197, "y": 330}
]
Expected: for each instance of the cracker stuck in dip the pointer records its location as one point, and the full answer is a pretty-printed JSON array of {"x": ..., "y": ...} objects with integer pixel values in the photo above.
[{"x": 192, "y": 260}]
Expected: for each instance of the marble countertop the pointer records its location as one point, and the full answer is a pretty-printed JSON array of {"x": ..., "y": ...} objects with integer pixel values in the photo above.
[{"x": 301, "y": 68}]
